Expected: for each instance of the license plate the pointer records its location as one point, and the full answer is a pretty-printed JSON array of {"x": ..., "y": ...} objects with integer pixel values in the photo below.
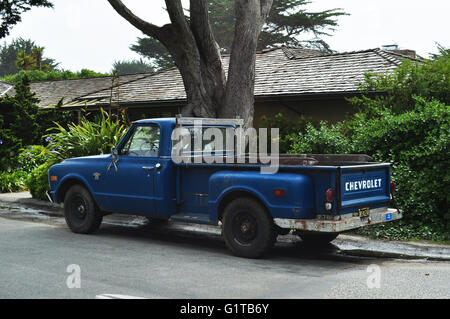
[{"x": 364, "y": 212}]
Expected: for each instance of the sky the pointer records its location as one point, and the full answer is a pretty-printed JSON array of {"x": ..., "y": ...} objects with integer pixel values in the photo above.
[{"x": 90, "y": 34}]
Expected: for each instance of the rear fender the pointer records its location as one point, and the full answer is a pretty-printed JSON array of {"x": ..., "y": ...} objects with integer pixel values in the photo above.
[{"x": 297, "y": 203}]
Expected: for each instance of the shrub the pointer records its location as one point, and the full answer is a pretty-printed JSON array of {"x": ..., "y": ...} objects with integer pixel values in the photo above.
[
  {"x": 323, "y": 140},
  {"x": 13, "y": 182},
  {"x": 418, "y": 145},
  {"x": 88, "y": 138},
  {"x": 32, "y": 157},
  {"x": 38, "y": 183}
]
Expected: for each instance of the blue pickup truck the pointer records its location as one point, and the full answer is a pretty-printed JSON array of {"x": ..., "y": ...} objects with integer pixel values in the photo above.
[{"x": 314, "y": 196}]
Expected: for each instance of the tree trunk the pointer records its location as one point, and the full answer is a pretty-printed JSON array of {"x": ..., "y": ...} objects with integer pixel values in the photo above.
[{"x": 197, "y": 56}]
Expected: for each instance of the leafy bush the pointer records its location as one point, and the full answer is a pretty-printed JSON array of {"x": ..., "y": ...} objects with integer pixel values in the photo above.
[
  {"x": 428, "y": 79},
  {"x": 418, "y": 145},
  {"x": 13, "y": 182},
  {"x": 38, "y": 183},
  {"x": 323, "y": 140},
  {"x": 88, "y": 138},
  {"x": 32, "y": 157}
]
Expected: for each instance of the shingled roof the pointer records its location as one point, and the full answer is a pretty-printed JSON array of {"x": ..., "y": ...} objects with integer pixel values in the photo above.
[{"x": 280, "y": 72}]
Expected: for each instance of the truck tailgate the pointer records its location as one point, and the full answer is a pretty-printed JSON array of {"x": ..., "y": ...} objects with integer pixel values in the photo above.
[{"x": 364, "y": 186}]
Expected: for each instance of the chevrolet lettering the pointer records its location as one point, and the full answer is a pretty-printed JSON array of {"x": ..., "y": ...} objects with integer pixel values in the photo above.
[{"x": 363, "y": 185}]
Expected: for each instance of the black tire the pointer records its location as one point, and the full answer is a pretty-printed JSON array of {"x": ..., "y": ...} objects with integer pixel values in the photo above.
[
  {"x": 80, "y": 211},
  {"x": 318, "y": 239},
  {"x": 247, "y": 228}
]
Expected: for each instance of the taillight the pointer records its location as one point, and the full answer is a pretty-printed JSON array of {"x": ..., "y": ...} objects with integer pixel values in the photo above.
[
  {"x": 393, "y": 187},
  {"x": 329, "y": 195}
]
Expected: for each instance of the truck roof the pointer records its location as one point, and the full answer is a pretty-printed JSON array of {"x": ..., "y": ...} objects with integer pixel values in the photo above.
[
  {"x": 193, "y": 120},
  {"x": 166, "y": 120}
]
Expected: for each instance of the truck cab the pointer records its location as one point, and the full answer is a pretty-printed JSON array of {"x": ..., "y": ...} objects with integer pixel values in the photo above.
[{"x": 316, "y": 196}]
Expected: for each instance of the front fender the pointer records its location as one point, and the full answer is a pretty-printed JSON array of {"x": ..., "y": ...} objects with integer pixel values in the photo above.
[{"x": 62, "y": 186}]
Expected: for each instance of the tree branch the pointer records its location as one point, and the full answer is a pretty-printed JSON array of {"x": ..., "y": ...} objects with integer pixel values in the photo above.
[
  {"x": 146, "y": 27},
  {"x": 202, "y": 29},
  {"x": 208, "y": 47},
  {"x": 266, "y": 6},
  {"x": 179, "y": 22}
]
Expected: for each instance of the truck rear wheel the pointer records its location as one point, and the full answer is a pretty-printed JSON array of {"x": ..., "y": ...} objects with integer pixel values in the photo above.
[
  {"x": 248, "y": 229},
  {"x": 318, "y": 239},
  {"x": 80, "y": 211}
]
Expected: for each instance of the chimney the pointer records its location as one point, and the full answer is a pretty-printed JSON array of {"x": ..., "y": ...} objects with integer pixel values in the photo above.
[{"x": 394, "y": 49}]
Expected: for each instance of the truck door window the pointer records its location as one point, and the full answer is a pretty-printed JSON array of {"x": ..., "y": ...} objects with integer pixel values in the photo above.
[
  {"x": 207, "y": 145},
  {"x": 144, "y": 142}
]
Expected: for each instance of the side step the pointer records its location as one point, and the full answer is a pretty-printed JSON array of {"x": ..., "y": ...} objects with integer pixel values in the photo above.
[{"x": 191, "y": 218}]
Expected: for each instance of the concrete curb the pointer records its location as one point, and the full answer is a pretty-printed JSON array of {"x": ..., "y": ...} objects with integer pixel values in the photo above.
[
  {"x": 347, "y": 244},
  {"x": 362, "y": 246}
]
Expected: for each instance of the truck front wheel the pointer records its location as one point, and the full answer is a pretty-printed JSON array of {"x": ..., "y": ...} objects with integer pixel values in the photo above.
[
  {"x": 80, "y": 211},
  {"x": 248, "y": 229}
]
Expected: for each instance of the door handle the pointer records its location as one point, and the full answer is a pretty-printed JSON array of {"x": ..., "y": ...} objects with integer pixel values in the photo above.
[{"x": 148, "y": 168}]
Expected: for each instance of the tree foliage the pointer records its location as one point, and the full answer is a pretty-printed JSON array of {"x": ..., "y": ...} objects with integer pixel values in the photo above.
[
  {"x": 429, "y": 79},
  {"x": 23, "y": 124},
  {"x": 154, "y": 51},
  {"x": 11, "y": 11},
  {"x": 17, "y": 50},
  {"x": 33, "y": 61},
  {"x": 17, "y": 122},
  {"x": 286, "y": 22},
  {"x": 131, "y": 67}
]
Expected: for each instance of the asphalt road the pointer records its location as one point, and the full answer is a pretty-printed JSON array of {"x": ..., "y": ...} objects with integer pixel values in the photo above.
[{"x": 42, "y": 259}]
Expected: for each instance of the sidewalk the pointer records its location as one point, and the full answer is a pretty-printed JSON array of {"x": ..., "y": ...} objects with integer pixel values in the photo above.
[{"x": 347, "y": 244}]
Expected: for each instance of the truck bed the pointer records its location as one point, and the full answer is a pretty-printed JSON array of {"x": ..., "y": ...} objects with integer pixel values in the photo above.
[{"x": 298, "y": 160}]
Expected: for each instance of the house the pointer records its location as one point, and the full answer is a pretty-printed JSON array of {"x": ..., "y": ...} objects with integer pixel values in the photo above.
[{"x": 293, "y": 81}]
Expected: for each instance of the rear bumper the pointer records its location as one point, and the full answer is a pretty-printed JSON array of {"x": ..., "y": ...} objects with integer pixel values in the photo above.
[{"x": 345, "y": 223}]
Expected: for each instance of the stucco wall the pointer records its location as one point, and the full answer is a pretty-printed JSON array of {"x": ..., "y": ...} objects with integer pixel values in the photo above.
[{"x": 333, "y": 110}]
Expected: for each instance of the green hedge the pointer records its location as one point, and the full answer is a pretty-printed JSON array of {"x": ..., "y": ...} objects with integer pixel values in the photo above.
[
  {"x": 417, "y": 143},
  {"x": 38, "y": 183},
  {"x": 13, "y": 182}
]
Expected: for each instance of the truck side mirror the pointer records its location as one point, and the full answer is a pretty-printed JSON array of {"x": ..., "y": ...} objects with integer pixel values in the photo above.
[
  {"x": 115, "y": 159},
  {"x": 114, "y": 152}
]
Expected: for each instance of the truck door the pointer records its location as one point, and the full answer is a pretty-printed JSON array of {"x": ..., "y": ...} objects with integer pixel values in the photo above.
[{"x": 130, "y": 181}]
